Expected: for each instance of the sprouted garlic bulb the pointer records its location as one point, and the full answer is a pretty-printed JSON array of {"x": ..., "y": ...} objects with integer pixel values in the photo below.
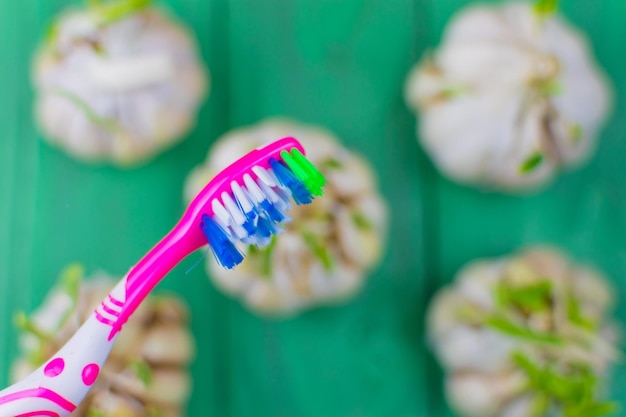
[
  {"x": 146, "y": 374},
  {"x": 526, "y": 335},
  {"x": 510, "y": 97},
  {"x": 328, "y": 248},
  {"x": 117, "y": 81}
]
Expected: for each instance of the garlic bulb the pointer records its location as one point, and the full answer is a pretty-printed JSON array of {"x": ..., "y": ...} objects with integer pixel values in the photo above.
[
  {"x": 329, "y": 246},
  {"x": 525, "y": 332},
  {"x": 117, "y": 81},
  {"x": 509, "y": 98},
  {"x": 146, "y": 374}
]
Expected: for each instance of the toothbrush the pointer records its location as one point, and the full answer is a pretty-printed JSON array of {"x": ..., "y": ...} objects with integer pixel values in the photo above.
[{"x": 246, "y": 203}]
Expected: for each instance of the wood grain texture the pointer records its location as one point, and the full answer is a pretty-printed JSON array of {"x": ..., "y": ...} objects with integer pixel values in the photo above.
[{"x": 340, "y": 64}]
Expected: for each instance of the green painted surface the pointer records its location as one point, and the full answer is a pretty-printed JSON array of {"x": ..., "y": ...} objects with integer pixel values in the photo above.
[{"x": 341, "y": 64}]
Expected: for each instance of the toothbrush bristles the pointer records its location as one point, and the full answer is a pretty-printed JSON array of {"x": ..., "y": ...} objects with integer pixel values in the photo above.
[
  {"x": 286, "y": 177},
  {"x": 256, "y": 208},
  {"x": 221, "y": 245}
]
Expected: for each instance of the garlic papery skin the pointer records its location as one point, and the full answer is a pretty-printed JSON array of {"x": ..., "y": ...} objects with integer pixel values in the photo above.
[
  {"x": 506, "y": 327},
  {"x": 327, "y": 250},
  {"x": 509, "y": 98},
  {"x": 117, "y": 90}
]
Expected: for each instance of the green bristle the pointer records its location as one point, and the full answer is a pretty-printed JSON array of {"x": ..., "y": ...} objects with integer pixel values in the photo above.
[
  {"x": 304, "y": 171},
  {"x": 315, "y": 173},
  {"x": 299, "y": 171}
]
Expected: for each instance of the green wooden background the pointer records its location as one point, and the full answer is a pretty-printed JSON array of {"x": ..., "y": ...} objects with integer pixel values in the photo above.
[{"x": 341, "y": 64}]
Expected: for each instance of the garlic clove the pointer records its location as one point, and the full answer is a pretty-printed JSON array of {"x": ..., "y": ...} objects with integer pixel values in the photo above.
[
  {"x": 483, "y": 395},
  {"x": 113, "y": 405},
  {"x": 266, "y": 298},
  {"x": 231, "y": 281},
  {"x": 352, "y": 177},
  {"x": 477, "y": 349},
  {"x": 462, "y": 135},
  {"x": 167, "y": 344},
  {"x": 594, "y": 291},
  {"x": 476, "y": 281},
  {"x": 521, "y": 407},
  {"x": 360, "y": 244},
  {"x": 168, "y": 387},
  {"x": 443, "y": 315},
  {"x": 347, "y": 281}
]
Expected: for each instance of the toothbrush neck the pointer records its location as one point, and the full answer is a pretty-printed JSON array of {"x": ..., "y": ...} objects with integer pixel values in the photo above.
[{"x": 149, "y": 271}]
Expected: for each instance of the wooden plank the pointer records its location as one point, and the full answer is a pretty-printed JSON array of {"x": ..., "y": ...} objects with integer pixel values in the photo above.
[
  {"x": 341, "y": 66},
  {"x": 7, "y": 183},
  {"x": 18, "y": 169},
  {"x": 210, "y": 22}
]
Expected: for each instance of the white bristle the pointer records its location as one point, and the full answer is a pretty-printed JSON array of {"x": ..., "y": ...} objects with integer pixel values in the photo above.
[
  {"x": 263, "y": 242},
  {"x": 235, "y": 213},
  {"x": 280, "y": 228},
  {"x": 283, "y": 192},
  {"x": 237, "y": 218},
  {"x": 265, "y": 176},
  {"x": 241, "y": 233},
  {"x": 273, "y": 196},
  {"x": 272, "y": 175},
  {"x": 220, "y": 214},
  {"x": 241, "y": 197},
  {"x": 253, "y": 189}
]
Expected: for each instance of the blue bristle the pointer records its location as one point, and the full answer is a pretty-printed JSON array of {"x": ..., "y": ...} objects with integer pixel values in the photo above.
[
  {"x": 222, "y": 247},
  {"x": 279, "y": 197},
  {"x": 249, "y": 224},
  {"x": 264, "y": 227},
  {"x": 272, "y": 211},
  {"x": 299, "y": 191}
]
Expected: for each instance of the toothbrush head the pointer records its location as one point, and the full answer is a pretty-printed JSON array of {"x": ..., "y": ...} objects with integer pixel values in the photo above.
[{"x": 247, "y": 203}]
